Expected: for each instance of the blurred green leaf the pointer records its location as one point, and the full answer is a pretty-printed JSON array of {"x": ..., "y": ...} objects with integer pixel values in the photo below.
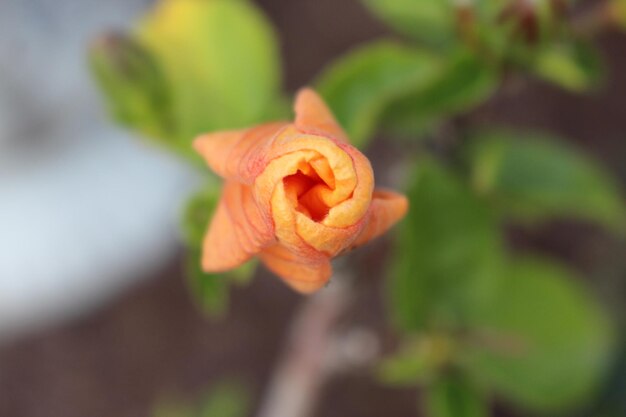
[
  {"x": 543, "y": 342},
  {"x": 491, "y": 10},
  {"x": 134, "y": 86},
  {"x": 419, "y": 360},
  {"x": 197, "y": 214},
  {"x": 226, "y": 400},
  {"x": 221, "y": 59},
  {"x": 612, "y": 402},
  {"x": 464, "y": 81},
  {"x": 430, "y": 21},
  {"x": 243, "y": 274},
  {"x": 449, "y": 253},
  {"x": 453, "y": 395},
  {"x": 575, "y": 66},
  {"x": 210, "y": 292},
  {"x": 617, "y": 11},
  {"x": 534, "y": 177},
  {"x": 359, "y": 86},
  {"x": 404, "y": 369}
]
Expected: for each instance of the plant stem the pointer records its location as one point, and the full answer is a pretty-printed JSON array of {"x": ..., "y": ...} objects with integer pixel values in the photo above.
[{"x": 304, "y": 366}]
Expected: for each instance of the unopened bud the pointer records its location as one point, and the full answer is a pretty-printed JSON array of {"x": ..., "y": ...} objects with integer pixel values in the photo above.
[{"x": 133, "y": 83}]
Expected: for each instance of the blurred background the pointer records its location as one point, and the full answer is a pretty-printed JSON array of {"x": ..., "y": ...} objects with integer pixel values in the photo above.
[{"x": 96, "y": 318}]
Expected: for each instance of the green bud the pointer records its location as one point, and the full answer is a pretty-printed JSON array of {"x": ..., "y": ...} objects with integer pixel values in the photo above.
[{"x": 133, "y": 84}]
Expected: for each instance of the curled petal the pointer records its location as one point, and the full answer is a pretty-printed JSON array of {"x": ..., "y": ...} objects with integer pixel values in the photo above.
[
  {"x": 239, "y": 154},
  {"x": 301, "y": 274},
  {"x": 387, "y": 209},
  {"x": 237, "y": 231},
  {"x": 328, "y": 240},
  {"x": 317, "y": 190},
  {"x": 353, "y": 209},
  {"x": 314, "y": 117}
]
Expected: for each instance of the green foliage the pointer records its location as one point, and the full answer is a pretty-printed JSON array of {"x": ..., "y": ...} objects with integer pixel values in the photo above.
[
  {"x": 524, "y": 330},
  {"x": 452, "y": 395},
  {"x": 227, "y": 399},
  {"x": 531, "y": 37},
  {"x": 419, "y": 360},
  {"x": 222, "y": 60},
  {"x": 543, "y": 342},
  {"x": 426, "y": 20},
  {"x": 198, "y": 212},
  {"x": 454, "y": 248},
  {"x": 534, "y": 177},
  {"x": 575, "y": 66},
  {"x": 360, "y": 85},
  {"x": 190, "y": 67},
  {"x": 210, "y": 291},
  {"x": 137, "y": 92},
  {"x": 617, "y": 12},
  {"x": 463, "y": 81},
  {"x": 405, "y": 90}
]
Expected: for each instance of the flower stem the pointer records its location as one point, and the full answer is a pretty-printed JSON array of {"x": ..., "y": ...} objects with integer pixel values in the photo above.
[{"x": 304, "y": 365}]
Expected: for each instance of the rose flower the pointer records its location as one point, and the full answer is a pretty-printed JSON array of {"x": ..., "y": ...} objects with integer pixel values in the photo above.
[{"x": 295, "y": 194}]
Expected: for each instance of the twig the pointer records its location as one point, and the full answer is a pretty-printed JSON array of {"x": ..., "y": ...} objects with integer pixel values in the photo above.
[{"x": 304, "y": 366}]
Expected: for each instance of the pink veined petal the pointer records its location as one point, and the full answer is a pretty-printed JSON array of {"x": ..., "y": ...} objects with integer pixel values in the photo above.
[
  {"x": 386, "y": 209},
  {"x": 239, "y": 154},
  {"x": 237, "y": 230},
  {"x": 314, "y": 117},
  {"x": 301, "y": 274}
]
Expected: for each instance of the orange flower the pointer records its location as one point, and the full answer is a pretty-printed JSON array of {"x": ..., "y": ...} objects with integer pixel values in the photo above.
[{"x": 297, "y": 194}]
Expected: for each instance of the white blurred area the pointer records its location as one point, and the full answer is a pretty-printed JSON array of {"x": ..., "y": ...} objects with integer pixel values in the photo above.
[{"x": 85, "y": 209}]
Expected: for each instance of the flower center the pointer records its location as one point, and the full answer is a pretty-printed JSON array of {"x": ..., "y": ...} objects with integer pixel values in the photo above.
[{"x": 307, "y": 188}]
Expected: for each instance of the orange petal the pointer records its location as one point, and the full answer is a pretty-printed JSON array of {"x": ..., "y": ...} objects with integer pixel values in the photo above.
[
  {"x": 325, "y": 239},
  {"x": 387, "y": 209},
  {"x": 238, "y": 154},
  {"x": 353, "y": 209},
  {"x": 237, "y": 231},
  {"x": 314, "y": 117},
  {"x": 300, "y": 274}
]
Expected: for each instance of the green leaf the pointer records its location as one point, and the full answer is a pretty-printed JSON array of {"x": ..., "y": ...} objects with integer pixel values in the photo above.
[
  {"x": 134, "y": 86},
  {"x": 543, "y": 342},
  {"x": 221, "y": 59},
  {"x": 535, "y": 177},
  {"x": 197, "y": 214},
  {"x": 453, "y": 395},
  {"x": 226, "y": 400},
  {"x": 209, "y": 291},
  {"x": 492, "y": 10},
  {"x": 426, "y": 20},
  {"x": 575, "y": 66},
  {"x": 617, "y": 11},
  {"x": 243, "y": 274},
  {"x": 464, "y": 81},
  {"x": 419, "y": 360},
  {"x": 359, "y": 86},
  {"x": 449, "y": 253}
]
